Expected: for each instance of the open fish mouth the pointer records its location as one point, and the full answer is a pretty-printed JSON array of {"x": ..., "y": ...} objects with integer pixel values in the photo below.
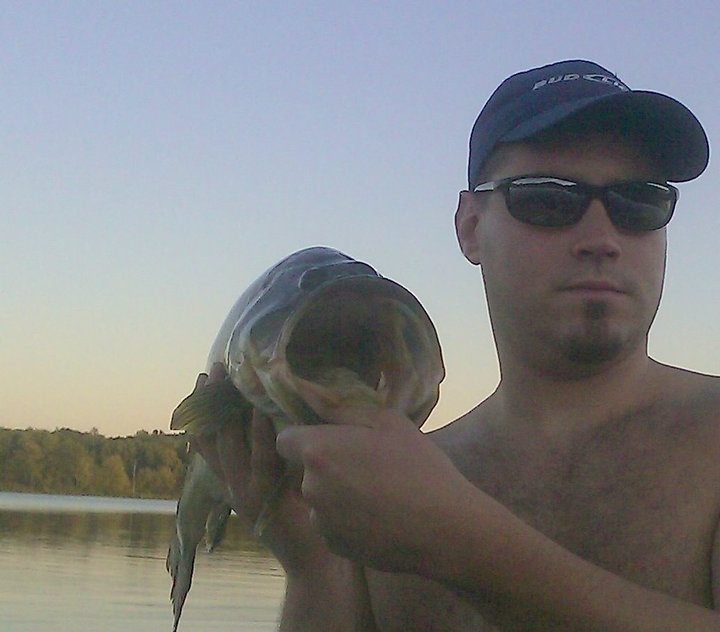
[
  {"x": 324, "y": 318},
  {"x": 349, "y": 333}
]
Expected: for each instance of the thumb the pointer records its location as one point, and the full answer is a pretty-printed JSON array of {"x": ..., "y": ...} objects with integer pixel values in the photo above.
[{"x": 292, "y": 442}]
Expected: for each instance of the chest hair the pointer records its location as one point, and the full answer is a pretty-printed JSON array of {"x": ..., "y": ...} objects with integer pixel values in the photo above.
[{"x": 638, "y": 495}]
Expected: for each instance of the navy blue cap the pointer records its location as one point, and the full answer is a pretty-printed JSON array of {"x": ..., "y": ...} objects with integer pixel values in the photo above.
[{"x": 533, "y": 101}]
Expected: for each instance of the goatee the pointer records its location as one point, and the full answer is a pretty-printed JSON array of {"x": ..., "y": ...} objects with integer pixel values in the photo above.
[{"x": 595, "y": 345}]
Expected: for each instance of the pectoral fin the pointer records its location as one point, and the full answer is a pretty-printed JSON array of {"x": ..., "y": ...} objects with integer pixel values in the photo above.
[{"x": 210, "y": 407}]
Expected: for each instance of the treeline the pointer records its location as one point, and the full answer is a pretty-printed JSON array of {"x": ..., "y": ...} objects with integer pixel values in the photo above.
[{"x": 146, "y": 465}]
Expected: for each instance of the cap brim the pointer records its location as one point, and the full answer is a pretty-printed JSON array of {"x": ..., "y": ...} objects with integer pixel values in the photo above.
[{"x": 671, "y": 129}]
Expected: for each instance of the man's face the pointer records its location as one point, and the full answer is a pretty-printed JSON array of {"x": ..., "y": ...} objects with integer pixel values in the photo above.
[{"x": 570, "y": 299}]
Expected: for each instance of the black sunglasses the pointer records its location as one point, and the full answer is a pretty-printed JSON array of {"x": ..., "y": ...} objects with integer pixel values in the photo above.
[{"x": 549, "y": 201}]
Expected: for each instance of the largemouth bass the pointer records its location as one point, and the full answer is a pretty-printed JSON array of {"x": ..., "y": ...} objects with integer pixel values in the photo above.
[{"x": 317, "y": 316}]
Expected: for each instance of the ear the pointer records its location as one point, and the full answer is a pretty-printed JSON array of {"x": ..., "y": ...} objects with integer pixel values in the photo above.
[{"x": 466, "y": 224}]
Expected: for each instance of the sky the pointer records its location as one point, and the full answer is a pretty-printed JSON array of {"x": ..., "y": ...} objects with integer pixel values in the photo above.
[{"x": 156, "y": 157}]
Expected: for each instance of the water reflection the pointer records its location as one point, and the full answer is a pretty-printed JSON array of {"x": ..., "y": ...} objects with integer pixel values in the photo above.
[
  {"x": 76, "y": 569},
  {"x": 133, "y": 531}
]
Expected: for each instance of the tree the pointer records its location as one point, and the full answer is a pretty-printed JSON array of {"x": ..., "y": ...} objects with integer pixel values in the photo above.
[
  {"x": 111, "y": 478},
  {"x": 22, "y": 463},
  {"x": 69, "y": 462}
]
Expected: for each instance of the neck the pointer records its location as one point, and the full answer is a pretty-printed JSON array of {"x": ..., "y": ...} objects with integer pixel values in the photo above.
[{"x": 558, "y": 403}]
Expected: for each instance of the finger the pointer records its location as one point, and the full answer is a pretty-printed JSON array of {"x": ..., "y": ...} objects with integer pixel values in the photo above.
[
  {"x": 332, "y": 535},
  {"x": 366, "y": 417},
  {"x": 265, "y": 459},
  {"x": 288, "y": 445},
  {"x": 291, "y": 442},
  {"x": 309, "y": 448},
  {"x": 315, "y": 520}
]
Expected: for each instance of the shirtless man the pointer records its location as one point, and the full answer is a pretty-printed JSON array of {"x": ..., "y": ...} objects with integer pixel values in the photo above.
[{"x": 584, "y": 493}]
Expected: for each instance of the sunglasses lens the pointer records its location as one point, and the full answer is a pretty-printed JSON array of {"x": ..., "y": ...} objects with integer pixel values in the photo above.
[
  {"x": 641, "y": 205},
  {"x": 545, "y": 203},
  {"x": 552, "y": 202}
]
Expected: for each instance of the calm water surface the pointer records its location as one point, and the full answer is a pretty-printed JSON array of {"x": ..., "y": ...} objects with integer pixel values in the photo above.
[{"x": 72, "y": 563}]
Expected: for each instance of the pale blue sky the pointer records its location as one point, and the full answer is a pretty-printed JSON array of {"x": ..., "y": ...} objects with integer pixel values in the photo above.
[{"x": 157, "y": 156}]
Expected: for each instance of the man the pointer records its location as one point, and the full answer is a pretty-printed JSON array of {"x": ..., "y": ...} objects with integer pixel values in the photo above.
[{"x": 584, "y": 493}]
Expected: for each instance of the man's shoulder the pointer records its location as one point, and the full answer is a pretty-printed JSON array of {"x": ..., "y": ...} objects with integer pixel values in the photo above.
[
  {"x": 674, "y": 395},
  {"x": 688, "y": 407},
  {"x": 692, "y": 387},
  {"x": 467, "y": 437},
  {"x": 461, "y": 429}
]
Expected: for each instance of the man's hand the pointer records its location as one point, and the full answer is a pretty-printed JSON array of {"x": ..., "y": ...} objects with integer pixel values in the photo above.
[
  {"x": 379, "y": 489},
  {"x": 254, "y": 473},
  {"x": 324, "y": 592}
]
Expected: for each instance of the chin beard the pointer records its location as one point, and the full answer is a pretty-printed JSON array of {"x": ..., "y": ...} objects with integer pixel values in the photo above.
[
  {"x": 592, "y": 352},
  {"x": 596, "y": 345}
]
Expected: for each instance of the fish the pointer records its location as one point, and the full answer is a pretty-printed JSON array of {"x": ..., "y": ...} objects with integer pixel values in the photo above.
[
  {"x": 202, "y": 511},
  {"x": 320, "y": 319}
]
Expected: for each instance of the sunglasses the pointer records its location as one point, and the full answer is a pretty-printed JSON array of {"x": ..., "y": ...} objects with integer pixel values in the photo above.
[{"x": 548, "y": 201}]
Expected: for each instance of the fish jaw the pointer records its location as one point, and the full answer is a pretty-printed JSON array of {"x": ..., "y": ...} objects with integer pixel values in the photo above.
[
  {"x": 368, "y": 326},
  {"x": 328, "y": 299},
  {"x": 332, "y": 388}
]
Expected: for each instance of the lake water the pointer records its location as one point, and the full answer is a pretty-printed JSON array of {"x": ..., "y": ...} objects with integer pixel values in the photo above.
[{"x": 71, "y": 563}]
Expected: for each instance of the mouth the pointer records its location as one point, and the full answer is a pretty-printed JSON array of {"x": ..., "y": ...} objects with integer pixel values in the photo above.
[
  {"x": 599, "y": 286},
  {"x": 594, "y": 288}
]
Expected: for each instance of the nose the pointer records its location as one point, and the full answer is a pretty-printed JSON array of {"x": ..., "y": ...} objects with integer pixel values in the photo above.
[{"x": 595, "y": 235}]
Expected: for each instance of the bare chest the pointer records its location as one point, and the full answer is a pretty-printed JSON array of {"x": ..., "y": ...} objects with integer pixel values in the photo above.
[
  {"x": 639, "y": 511},
  {"x": 639, "y": 499}
]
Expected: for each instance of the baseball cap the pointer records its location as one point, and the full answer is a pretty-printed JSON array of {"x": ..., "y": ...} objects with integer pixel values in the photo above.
[{"x": 530, "y": 102}]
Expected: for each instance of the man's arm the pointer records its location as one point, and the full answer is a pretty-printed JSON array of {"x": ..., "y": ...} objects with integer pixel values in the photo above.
[
  {"x": 386, "y": 496},
  {"x": 715, "y": 576},
  {"x": 331, "y": 596},
  {"x": 547, "y": 587}
]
